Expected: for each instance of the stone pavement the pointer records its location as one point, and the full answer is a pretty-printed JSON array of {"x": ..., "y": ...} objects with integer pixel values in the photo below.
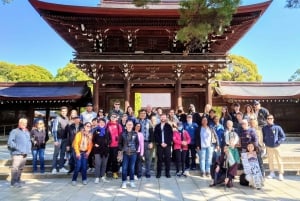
[{"x": 163, "y": 189}]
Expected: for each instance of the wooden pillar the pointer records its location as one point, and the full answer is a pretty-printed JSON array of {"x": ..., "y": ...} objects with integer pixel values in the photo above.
[
  {"x": 127, "y": 93},
  {"x": 96, "y": 95},
  {"x": 208, "y": 93},
  {"x": 178, "y": 93}
]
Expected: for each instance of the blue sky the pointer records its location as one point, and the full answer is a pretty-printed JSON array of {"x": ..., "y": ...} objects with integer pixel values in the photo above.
[{"x": 273, "y": 43}]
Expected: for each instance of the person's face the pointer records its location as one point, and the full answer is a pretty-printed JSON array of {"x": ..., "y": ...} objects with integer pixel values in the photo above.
[
  {"x": 129, "y": 126},
  {"x": 23, "y": 124},
  {"x": 40, "y": 125},
  {"x": 163, "y": 118},
  {"x": 113, "y": 118},
  {"x": 216, "y": 120},
  {"x": 270, "y": 119},
  {"x": 73, "y": 113},
  {"x": 76, "y": 120},
  {"x": 149, "y": 109},
  {"x": 189, "y": 119},
  {"x": 142, "y": 115},
  {"x": 204, "y": 122},
  {"x": 250, "y": 147},
  {"x": 229, "y": 124},
  {"x": 224, "y": 109},
  {"x": 64, "y": 112},
  {"x": 244, "y": 124},
  {"x": 159, "y": 111},
  {"x": 248, "y": 109},
  {"x": 129, "y": 109},
  {"x": 89, "y": 108},
  {"x": 88, "y": 127},
  {"x": 117, "y": 105},
  {"x": 124, "y": 118},
  {"x": 137, "y": 127},
  {"x": 236, "y": 108},
  {"x": 153, "y": 120},
  {"x": 171, "y": 113},
  {"x": 101, "y": 124}
]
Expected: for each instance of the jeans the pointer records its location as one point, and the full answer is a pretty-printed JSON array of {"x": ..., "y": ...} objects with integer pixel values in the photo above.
[
  {"x": 61, "y": 151},
  {"x": 148, "y": 158},
  {"x": 41, "y": 154},
  {"x": 18, "y": 163},
  {"x": 205, "y": 155},
  {"x": 81, "y": 165},
  {"x": 128, "y": 165}
]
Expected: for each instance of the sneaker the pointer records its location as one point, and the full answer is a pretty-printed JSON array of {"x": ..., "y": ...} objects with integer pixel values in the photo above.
[
  {"x": 132, "y": 184},
  {"x": 97, "y": 180},
  {"x": 271, "y": 175},
  {"x": 115, "y": 175},
  {"x": 104, "y": 180},
  {"x": 280, "y": 177},
  {"x": 184, "y": 174},
  {"x": 207, "y": 174},
  {"x": 63, "y": 170},
  {"x": 136, "y": 178},
  {"x": 178, "y": 174},
  {"x": 124, "y": 185},
  {"x": 84, "y": 182},
  {"x": 54, "y": 171},
  {"x": 16, "y": 185},
  {"x": 74, "y": 183}
]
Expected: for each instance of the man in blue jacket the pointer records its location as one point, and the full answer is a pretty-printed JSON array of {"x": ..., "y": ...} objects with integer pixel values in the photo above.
[{"x": 273, "y": 136}]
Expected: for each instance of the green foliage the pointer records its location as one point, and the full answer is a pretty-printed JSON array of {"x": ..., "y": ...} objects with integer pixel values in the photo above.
[
  {"x": 138, "y": 103},
  {"x": 17, "y": 73},
  {"x": 71, "y": 73},
  {"x": 292, "y": 4},
  {"x": 295, "y": 76},
  {"x": 199, "y": 18},
  {"x": 241, "y": 69}
]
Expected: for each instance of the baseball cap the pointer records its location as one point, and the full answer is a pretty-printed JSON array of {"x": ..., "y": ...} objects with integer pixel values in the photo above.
[
  {"x": 256, "y": 102},
  {"x": 89, "y": 104}
]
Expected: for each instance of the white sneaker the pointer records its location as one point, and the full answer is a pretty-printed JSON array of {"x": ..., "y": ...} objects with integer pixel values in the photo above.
[
  {"x": 124, "y": 185},
  {"x": 97, "y": 180},
  {"x": 54, "y": 171},
  {"x": 84, "y": 182},
  {"x": 132, "y": 184},
  {"x": 136, "y": 178},
  {"x": 280, "y": 177},
  {"x": 74, "y": 183},
  {"x": 104, "y": 180},
  {"x": 271, "y": 175},
  {"x": 63, "y": 170}
]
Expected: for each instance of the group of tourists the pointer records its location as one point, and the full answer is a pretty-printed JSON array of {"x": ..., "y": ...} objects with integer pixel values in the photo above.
[{"x": 121, "y": 142}]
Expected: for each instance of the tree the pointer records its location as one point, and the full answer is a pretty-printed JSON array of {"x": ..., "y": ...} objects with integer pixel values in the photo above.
[
  {"x": 23, "y": 73},
  {"x": 201, "y": 18},
  {"x": 292, "y": 4},
  {"x": 241, "y": 69},
  {"x": 295, "y": 76},
  {"x": 71, "y": 73}
]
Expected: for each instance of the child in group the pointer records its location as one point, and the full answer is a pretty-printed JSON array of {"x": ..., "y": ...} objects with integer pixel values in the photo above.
[{"x": 251, "y": 167}]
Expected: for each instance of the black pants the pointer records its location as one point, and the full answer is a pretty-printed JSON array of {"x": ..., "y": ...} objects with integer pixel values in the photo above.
[
  {"x": 163, "y": 155},
  {"x": 180, "y": 159},
  {"x": 112, "y": 164},
  {"x": 91, "y": 160},
  {"x": 192, "y": 150}
]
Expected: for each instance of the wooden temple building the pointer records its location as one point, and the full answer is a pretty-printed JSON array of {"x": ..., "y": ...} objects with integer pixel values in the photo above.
[{"x": 127, "y": 49}]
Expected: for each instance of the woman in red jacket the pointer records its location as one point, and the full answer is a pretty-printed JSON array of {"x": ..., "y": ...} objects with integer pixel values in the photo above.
[{"x": 181, "y": 139}]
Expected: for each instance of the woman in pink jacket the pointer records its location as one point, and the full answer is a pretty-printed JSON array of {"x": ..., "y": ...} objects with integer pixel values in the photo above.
[{"x": 181, "y": 139}]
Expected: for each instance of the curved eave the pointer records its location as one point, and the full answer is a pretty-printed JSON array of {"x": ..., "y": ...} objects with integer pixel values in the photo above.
[{"x": 84, "y": 10}]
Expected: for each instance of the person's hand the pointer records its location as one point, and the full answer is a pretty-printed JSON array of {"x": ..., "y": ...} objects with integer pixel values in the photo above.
[
  {"x": 226, "y": 180},
  {"x": 68, "y": 148},
  {"x": 96, "y": 145},
  {"x": 34, "y": 142},
  {"x": 217, "y": 168},
  {"x": 150, "y": 145},
  {"x": 184, "y": 143},
  {"x": 163, "y": 145},
  {"x": 56, "y": 143},
  {"x": 86, "y": 155},
  {"x": 78, "y": 156}
]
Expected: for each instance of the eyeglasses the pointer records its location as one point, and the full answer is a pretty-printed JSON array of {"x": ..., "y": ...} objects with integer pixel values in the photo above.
[{"x": 270, "y": 118}]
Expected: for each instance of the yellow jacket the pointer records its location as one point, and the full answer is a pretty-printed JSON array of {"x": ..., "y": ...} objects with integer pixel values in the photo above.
[{"x": 77, "y": 141}]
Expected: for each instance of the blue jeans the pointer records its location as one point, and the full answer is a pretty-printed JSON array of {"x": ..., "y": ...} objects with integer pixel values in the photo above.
[
  {"x": 41, "y": 154},
  {"x": 128, "y": 165},
  {"x": 81, "y": 165},
  {"x": 205, "y": 156}
]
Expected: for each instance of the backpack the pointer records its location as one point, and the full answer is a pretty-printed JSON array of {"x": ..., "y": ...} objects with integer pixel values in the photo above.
[{"x": 243, "y": 180}]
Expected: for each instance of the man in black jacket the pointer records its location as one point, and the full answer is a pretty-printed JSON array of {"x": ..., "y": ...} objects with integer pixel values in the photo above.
[{"x": 163, "y": 133}]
